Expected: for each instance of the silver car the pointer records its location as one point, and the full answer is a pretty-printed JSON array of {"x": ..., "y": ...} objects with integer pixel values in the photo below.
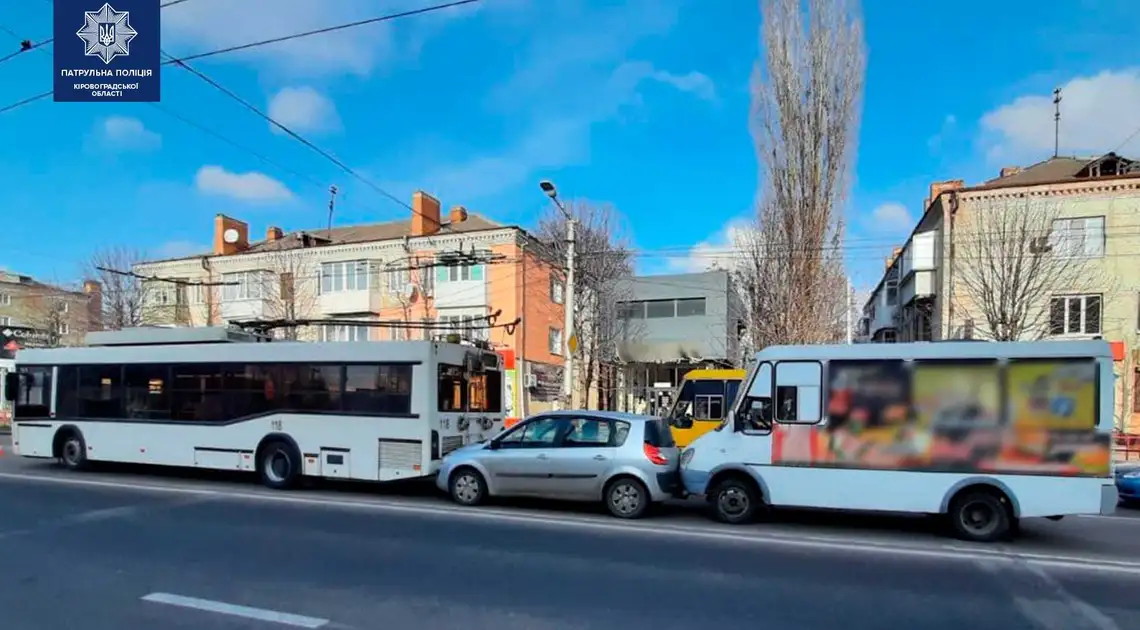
[{"x": 626, "y": 460}]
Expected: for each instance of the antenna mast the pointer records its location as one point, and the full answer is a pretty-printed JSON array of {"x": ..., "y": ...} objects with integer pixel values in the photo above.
[
  {"x": 1056, "y": 122},
  {"x": 332, "y": 206}
]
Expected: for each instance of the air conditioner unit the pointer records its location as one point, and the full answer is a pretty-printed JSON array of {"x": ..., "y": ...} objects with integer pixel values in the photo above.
[{"x": 531, "y": 380}]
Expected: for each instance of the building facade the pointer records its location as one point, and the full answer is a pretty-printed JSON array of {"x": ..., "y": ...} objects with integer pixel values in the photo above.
[
  {"x": 420, "y": 278},
  {"x": 38, "y": 314},
  {"x": 1050, "y": 251},
  {"x": 673, "y": 324}
]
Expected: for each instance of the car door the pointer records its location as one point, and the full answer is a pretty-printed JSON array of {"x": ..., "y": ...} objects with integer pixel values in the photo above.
[
  {"x": 579, "y": 463},
  {"x": 518, "y": 466}
]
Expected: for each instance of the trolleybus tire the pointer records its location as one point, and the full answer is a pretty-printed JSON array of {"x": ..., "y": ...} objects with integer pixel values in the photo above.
[
  {"x": 467, "y": 487},
  {"x": 279, "y": 465},
  {"x": 72, "y": 451}
]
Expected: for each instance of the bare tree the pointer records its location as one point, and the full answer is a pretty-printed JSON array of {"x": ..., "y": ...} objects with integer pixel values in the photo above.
[
  {"x": 1008, "y": 261},
  {"x": 806, "y": 105},
  {"x": 1126, "y": 377},
  {"x": 123, "y": 295},
  {"x": 49, "y": 310},
  {"x": 603, "y": 267},
  {"x": 291, "y": 289}
]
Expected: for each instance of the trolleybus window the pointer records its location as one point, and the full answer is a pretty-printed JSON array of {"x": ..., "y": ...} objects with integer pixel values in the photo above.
[
  {"x": 33, "y": 392},
  {"x": 482, "y": 392}
]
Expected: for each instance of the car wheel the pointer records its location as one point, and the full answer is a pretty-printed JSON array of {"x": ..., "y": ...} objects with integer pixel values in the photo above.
[
  {"x": 467, "y": 487},
  {"x": 980, "y": 517},
  {"x": 627, "y": 497}
]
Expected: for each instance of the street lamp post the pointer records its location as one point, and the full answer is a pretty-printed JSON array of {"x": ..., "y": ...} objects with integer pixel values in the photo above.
[{"x": 568, "y": 295}]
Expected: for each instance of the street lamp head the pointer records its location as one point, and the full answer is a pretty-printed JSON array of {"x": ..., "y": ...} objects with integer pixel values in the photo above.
[{"x": 548, "y": 188}]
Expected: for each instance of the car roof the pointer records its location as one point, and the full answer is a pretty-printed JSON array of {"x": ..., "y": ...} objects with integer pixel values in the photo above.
[{"x": 607, "y": 415}]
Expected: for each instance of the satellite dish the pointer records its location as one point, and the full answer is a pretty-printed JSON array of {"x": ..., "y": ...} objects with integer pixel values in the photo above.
[{"x": 230, "y": 235}]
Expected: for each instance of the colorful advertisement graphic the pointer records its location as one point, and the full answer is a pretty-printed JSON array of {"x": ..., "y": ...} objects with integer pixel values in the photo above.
[{"x": 1028, "y": 417}]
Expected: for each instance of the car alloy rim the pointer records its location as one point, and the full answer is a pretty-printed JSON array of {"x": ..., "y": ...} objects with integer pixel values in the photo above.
[{"x": 625, "y": 498}]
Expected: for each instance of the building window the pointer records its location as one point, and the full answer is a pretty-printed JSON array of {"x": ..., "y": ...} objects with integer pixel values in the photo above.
[
  {"x": 348, "y": 275},
  {"x": 691, "y": 307},
  {"x": 631, "y": 310},
  {"x": 5, "y": 299},
  {"x": 557, "y": 291},
  {"x": 554, "y": 341},
  {"x": 660, "y": 309},
  {"x": 466, "y": 326},
  {"x": 892, "y": 292},
  {"x": 1080, "y": 237},
  {"x": 455, "y": 272},
  {"x": 398, "y": 281},
  {"x": 340, "y": 332},
  {"x": 64, "y": 329},
  {"x": 1075, "y": 315},
  {"x": 5, "y": 320},
  {"x": 243, "y": 285}
]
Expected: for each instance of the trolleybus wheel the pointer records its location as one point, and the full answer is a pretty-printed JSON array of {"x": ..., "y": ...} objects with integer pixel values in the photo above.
[{"x": 279, "y": 465}]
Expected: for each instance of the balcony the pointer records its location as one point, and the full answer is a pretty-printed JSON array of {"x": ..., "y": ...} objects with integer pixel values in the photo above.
[
  {"x": 246, "y": 309},
  {"x": 461, "y": 286},
  {"x": 919, "y": 262},
  {"x": 351, "y": 302}
]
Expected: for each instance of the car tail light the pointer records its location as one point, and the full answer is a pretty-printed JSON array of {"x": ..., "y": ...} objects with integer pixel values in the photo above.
[{"x": 653, "y": 454}]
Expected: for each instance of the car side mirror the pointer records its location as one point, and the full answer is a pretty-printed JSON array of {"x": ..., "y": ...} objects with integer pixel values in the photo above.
[
  {"x": 683, "y": 422},
  {"x": 11, "y": 385},
  {"x": 493, "y": 445}
]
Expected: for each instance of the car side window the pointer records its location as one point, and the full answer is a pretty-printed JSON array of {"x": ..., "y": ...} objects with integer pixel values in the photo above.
[
  {"x": 541, "y": 433},
  {"x": 588, "y": 432},
  {"x": 621, "y": 432}
]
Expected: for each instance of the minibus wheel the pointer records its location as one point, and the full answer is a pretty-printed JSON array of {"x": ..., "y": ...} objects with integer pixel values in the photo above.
[
  {"x": 981, "y": 516},
  {"x": 736, "y": 500}
]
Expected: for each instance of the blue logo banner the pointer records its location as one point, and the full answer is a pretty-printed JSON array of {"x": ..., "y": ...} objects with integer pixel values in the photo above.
[{"x": 107, "y": 50}]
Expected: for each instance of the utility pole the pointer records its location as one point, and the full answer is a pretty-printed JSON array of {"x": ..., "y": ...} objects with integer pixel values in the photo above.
[
  {"x": 568, "y": 296},
  {"x": 850, "y": 314}
]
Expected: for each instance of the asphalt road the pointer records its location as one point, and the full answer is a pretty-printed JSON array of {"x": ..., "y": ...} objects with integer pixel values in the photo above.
[{"x": 128, "y": 549}]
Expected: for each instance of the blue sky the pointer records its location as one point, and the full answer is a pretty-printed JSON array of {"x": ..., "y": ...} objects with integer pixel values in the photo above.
[{"x": 642, "y": 104}]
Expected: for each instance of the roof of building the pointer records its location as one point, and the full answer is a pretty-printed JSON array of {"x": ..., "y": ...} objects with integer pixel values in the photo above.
[{"x": 1059, "y": 170}]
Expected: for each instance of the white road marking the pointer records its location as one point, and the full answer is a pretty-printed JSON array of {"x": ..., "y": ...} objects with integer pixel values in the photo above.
[
  {"x": 222, "y": 608},
  {"x": 711, "y": 532},
  {"x": 1061, "y": 611}
]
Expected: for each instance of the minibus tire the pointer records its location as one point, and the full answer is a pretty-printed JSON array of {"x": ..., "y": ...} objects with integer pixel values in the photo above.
[
  {"x": 747, "y": 496},
  {"x": 72, "y": 449},
  {"x": 272, "y": 479},
  {"x": 993, "y": 507}
]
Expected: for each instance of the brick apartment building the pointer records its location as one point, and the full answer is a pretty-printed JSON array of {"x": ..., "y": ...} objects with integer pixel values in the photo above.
[{"x": 444, "y": 270}]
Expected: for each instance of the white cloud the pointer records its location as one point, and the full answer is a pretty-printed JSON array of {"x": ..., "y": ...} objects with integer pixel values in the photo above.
[
  {"x": 722, "y": 249},
  {"x": 575, "y": 75},
  {"x": 303, "y": 109},
  {"x": 890, "y": 217},
  {"x": 693, "y": 82},
  {"x": 949, "y": 126},
  {"x": 1098, "y": 113},
  {"x": 123, "y": 133},
  {"x": 251, "y": 186}
]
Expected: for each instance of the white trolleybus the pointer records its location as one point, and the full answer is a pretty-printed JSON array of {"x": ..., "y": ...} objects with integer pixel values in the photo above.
[
  {"x": 224, "y": 399},
  {"x": 984, "y": 433}
]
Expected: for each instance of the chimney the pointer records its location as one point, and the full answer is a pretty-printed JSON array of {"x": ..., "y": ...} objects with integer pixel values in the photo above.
[
  {"x": 94, "y": 291},
  {"x": 937, "y": 188},
  {"x": 894, "y": 255},
  {"x": 458, "y": 214},
  {"x": 230, "y": 235},
  {"x": 1010, "y": 170},
  {"x": 274, "y": 233},
  {"x": 425, "y": 214}
]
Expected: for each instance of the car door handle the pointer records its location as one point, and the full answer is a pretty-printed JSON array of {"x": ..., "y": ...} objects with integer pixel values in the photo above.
[{"x": 600, "y": 458}]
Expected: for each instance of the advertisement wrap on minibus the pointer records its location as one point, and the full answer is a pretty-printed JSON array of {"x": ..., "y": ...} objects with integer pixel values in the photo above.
[{"x": 1029, "y": 417}]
